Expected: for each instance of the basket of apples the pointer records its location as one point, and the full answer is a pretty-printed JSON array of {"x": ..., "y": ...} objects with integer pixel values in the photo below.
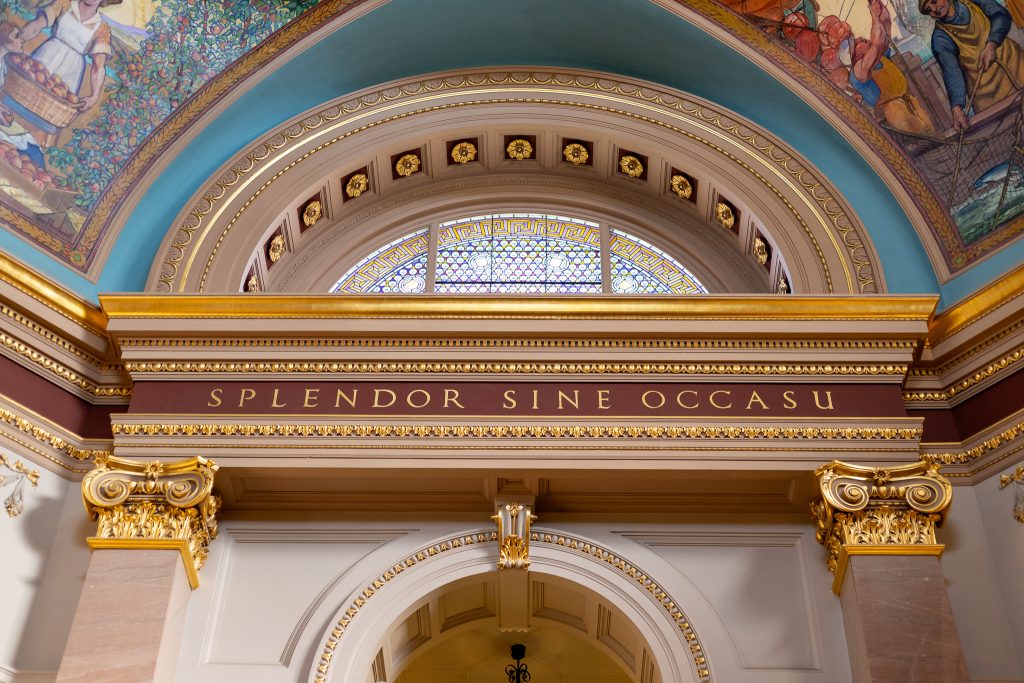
[{"x": 44, "y": 94}]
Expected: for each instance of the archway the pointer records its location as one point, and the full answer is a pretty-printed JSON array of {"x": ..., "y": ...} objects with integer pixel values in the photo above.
[{"x": 593, "y": 598}]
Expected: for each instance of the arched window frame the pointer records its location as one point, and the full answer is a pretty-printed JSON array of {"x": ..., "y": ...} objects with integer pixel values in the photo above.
[{"x": 687, "y": 283}]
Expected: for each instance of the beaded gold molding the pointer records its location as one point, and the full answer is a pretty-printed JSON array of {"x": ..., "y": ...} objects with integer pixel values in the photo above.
[
  {"x": 968, "y": 455},
  {"x": 1007, "y": 362},
  {"x": 769, "y": 152},
  {"x": 518, "y": 368},
  {"x": 547, "y": 431},
  {"x": 43, "y": 436},
  {"x": 580, "y": 546}
]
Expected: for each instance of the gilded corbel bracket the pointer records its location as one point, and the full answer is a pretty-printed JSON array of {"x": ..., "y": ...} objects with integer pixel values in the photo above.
[
  {"x": 514, "y": 520},
  {"x": 1017, "y": 479},
  {"x": 154, "y": 505},
  {"x": 879, "y": 511}
]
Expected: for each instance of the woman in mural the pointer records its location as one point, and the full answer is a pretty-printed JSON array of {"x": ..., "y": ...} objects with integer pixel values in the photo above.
[
  {"x": 980, "y": 67},
  {"x": 76, "y": 30}
]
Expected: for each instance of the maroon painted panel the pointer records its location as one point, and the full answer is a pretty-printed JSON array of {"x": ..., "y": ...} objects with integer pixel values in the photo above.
[{"x": 548, "y": 399}]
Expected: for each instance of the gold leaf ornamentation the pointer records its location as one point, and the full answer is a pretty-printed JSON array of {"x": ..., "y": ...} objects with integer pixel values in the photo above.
[
  {"x": 514, "y": 520},
  {"x": 313, "y": 212},
  {"x": 575, "y": 153},
  {"x": 252, "y": 284},
  {"x": 357, "y": 185},
  {"x": 276, "y": 249},
  {"x": 1017, "y": 479},
  {"x": 760, "y": 251},
  {"x": 631, "y": 166},
  {"x": 783, "y": 285},
  {"x": 682, "y": 186},
  {"x": 879, "y": 510},
  {"x": 407, "y": 165},
  {"x": 519, "y": 149},
  {"x": 724, "y": 215},
  {"x": 464, "y": 152},
  {"x": 154, "y": 504}
]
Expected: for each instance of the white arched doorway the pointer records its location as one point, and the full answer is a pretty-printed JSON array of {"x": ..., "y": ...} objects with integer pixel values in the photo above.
[{"x": 579, "y": 590}]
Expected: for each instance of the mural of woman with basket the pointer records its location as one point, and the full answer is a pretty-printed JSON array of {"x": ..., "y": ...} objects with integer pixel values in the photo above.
[{"x": 44, "y": 89}]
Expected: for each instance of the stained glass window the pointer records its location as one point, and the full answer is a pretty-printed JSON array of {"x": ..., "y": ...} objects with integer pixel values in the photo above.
[{"x": 520, "y": 253}]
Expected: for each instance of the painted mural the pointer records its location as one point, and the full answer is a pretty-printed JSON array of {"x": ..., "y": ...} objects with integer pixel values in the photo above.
[
  {"x": 82, "y": 82},
  {"x": 942, "y": 77}
]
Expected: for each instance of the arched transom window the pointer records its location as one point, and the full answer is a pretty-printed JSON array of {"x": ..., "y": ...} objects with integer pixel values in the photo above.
[{"x": 519, "y": 253}]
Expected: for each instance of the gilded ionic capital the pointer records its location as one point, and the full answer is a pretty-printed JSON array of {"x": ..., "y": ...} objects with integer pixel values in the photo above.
[
  {"x": 154, "y": 505},
  {"x": 879, "y": 511}
]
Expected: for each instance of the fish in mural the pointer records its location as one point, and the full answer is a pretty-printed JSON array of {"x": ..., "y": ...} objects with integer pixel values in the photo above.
[{"x": 943, "y": 77}]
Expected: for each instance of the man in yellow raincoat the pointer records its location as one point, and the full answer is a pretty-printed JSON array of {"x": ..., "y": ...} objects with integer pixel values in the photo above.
[{"x": 980, "y": 66}]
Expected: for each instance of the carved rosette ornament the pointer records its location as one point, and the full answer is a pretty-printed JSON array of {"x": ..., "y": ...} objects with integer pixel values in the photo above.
[
  {"x": 154, "y": 505},
  {"x": 879, "y": 511},
  {"x": 514, "y": 520}
]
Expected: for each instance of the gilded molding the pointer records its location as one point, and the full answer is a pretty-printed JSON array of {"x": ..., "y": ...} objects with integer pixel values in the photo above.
[
  {"x": 514, "y": 520},
  {"x": 53, "y": 367},
  {"x": 879, "y": 510},
  {"x": 981, "y": 303},
  {"x": 1017, "y": 479},
  {"x": 710, "y": 307},
  {"x": 577, "y": 545},
  {"x": 516, "y": 431},
  {"x": 509, "y": 342},
  {"x": 154, "y": 504},
  {"x": 519, "y": 368},
  {"x": 968, "y": 455},
  {"x": 1008, "y": 362},
  {"x": 52, "y": 295},
  {"x": 38, "y": 434},
  {"x": 18, "y": 475}
]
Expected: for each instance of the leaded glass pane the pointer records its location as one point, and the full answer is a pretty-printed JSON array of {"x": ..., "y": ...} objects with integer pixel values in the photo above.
[
  {"x": 639, "y": 267},
  {"x": 399, "y": 267},
  {"x": 519, "y": 254}
]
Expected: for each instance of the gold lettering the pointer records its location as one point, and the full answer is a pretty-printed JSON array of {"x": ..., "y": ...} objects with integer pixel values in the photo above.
[
  {"x": 274, "y": 403},
  {"x": 643, "y": 399},
  {"x": 376, "y": 398},
  {"x": 214, "y": 396},
  {"x": 426, "y": 398},
  {"x": 790, "y": 401},
  {"x": 574, "y": 401},
  {"x": 351, "y": 401},
  {"x": 754, "y": 396},
  {"x": 817, "y": 401},
  {"x": 535, "y": 406},
  {"x": 711, "y": 398},
  {"x": 679, "y": 399},
  {"x": 452, "y": 396},
  {"x": 510, "y": 399},
  {"x": 311, "y": 395},
  {"x": 603, "y": 397},
  {"x": 245, "y": 396}
]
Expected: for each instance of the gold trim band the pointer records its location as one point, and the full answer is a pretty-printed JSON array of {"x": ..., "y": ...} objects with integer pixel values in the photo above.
[
  {"x": 846, "y": 551},
  {"x": 178, "y": 544}
]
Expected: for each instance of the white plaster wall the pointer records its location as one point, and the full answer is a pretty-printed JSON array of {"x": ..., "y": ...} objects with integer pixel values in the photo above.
[
  {"x": 44, "y": 558},
  {"x": 980, "y": 540},
  {"x": 758, "y": 595}
]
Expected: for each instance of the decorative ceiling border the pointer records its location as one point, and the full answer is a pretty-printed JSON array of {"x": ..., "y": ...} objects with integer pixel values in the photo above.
[{"x": 771, "y": 153}]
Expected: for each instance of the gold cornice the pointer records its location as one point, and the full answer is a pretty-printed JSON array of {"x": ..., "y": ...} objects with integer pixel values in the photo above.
[
  {"x": 1008, "y": 361},
  {"x": 979, "y": 304},
  {"x": 764, "y": 308},
  {"x": 968, "y": 455},
  {"x": 41, "y": 435},
  {"x": 52, "y": 295},
  {"x": 65, "y": 373}
]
